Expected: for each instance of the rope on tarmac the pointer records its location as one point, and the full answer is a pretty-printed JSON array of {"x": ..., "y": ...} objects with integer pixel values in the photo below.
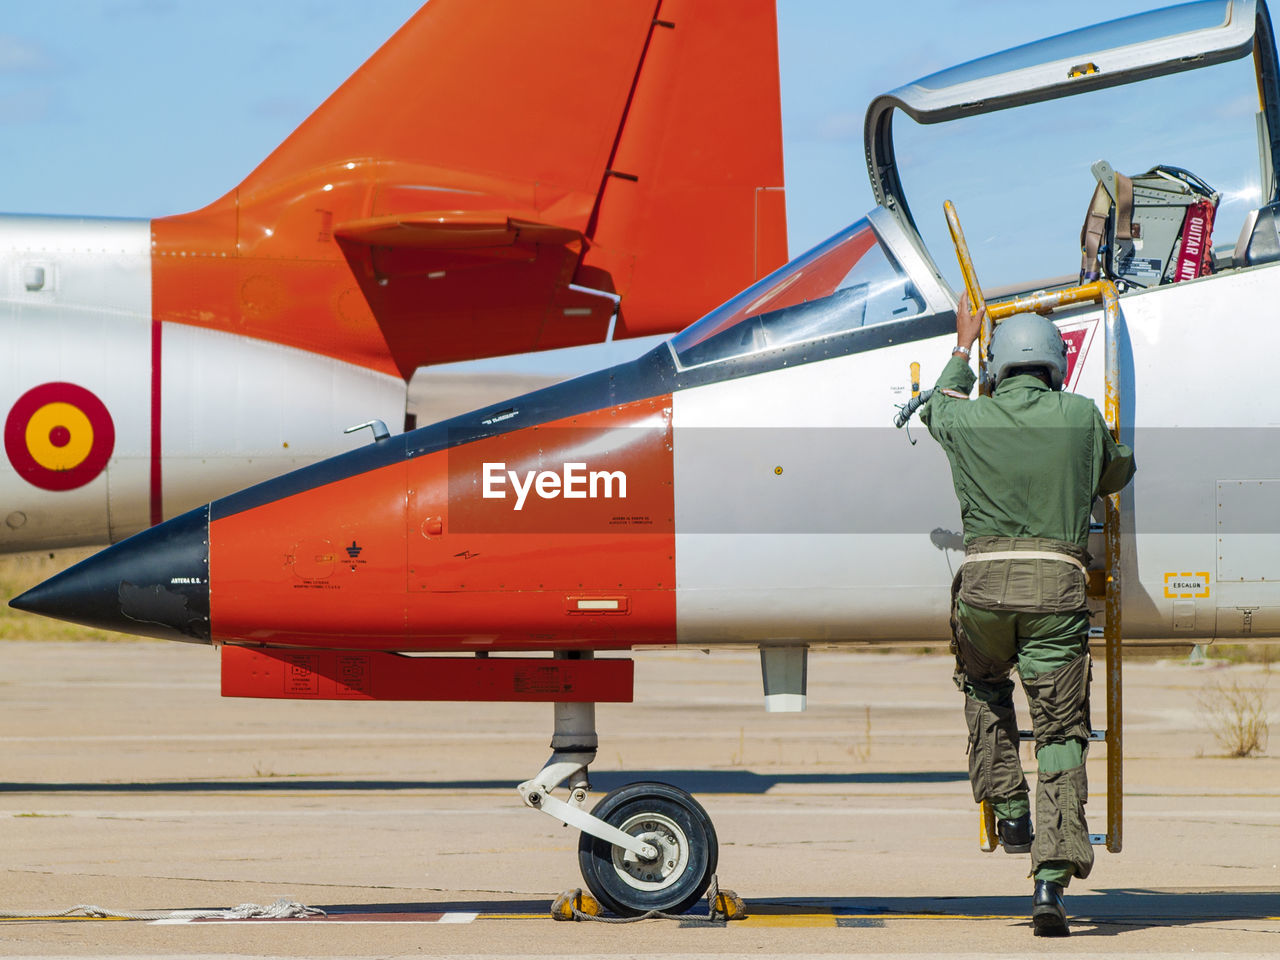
[
  {"x": 721, "y": 908},
  {"x": 281, "y": 909}
]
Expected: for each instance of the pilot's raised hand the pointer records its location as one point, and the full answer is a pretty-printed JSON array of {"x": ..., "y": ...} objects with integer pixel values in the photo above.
[{"x": 968, "y": 324}]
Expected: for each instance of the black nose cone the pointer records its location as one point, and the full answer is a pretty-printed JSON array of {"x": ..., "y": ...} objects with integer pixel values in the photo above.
[{"x": 155, "y": 584}]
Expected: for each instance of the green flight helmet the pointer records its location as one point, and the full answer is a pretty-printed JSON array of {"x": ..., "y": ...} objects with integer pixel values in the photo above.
[{"x": 1028, "y": 340}]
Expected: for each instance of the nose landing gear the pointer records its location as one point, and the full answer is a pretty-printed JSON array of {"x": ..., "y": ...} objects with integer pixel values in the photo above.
[
  {"x": 672, "y": 822},
  {"x": 645, "y": 846}
]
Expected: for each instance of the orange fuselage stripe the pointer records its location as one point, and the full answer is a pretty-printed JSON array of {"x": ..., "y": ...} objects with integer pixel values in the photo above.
[{"x": 413, "y": 555}]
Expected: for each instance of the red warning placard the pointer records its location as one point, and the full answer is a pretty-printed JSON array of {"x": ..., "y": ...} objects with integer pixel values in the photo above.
[{"x": 1078, "y": 335}]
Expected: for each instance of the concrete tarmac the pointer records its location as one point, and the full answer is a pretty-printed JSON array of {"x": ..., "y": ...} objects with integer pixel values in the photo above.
[{"x": 127, "y": 782}]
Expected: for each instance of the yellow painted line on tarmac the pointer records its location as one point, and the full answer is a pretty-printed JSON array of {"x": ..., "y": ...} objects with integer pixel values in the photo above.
[
  {"x": 940, "y": 916},
  {"x": 855, "y": 919},
  {"x": 852, "y": 919},
  {"x": 754, "y": 920},
  {"x": 761, "y": 920},
  {"x": 787, "y": 920},
  {"x": 811, "y": 919}
]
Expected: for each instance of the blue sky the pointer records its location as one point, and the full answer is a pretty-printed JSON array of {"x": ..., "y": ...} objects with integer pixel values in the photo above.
[{"x": 152, "y": 107}]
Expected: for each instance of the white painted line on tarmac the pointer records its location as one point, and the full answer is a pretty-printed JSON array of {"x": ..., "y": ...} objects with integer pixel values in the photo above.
[
  {"x": 659, "y": 954},
  {"x": 132, "y": 816},
  {"x": 453, "y": 917},
  {"x": 293, "y": 737},
  {"x": 457, "y": 736},
  {"x": 1198, "y": 816},
  {"x": 96, "y": 684}
]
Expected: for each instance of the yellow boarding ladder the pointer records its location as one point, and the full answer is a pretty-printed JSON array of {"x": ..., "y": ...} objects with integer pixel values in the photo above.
[{"x": 1109, "y": 586}]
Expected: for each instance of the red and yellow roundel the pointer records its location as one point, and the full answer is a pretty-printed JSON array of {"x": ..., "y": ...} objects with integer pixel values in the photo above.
[{"x": 59, "y": 436}]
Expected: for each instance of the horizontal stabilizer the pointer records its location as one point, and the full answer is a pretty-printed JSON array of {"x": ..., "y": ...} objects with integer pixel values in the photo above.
[{"x": 437, "y": 281}]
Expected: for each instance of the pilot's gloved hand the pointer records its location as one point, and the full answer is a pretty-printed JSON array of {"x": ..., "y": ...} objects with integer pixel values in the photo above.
[{"x": 967, "y": 322}]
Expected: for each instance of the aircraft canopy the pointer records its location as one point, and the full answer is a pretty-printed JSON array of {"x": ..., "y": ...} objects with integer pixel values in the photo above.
[
  {"x": 850, "y": 280},
  {"x": 1182, "y": 37},
  {"x": 1038, "y": 141}
]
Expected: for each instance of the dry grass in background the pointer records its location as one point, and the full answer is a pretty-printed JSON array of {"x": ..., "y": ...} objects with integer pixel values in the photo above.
[
  {"x": 1237, "y": 714},
  {"x": 21, "y": 571}
]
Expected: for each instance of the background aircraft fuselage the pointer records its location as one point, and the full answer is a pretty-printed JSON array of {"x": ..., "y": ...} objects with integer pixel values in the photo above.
[{"x": 154, "y": 365}]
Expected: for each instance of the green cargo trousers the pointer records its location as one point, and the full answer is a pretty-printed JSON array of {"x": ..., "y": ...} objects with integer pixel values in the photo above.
[{"x": 1050, "y": 652}]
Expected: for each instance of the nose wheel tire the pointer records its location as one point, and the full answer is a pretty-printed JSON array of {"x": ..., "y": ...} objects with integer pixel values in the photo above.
[{"x": 670, "y": 820}]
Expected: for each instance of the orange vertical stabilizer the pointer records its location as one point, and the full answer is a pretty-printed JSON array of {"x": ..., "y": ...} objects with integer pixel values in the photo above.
[
  {"x": 442, "y": 202},
  {"x": 695, "y": 210}
]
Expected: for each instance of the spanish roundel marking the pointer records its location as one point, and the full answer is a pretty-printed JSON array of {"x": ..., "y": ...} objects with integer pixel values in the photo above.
[{"x": 59, "y": 436}]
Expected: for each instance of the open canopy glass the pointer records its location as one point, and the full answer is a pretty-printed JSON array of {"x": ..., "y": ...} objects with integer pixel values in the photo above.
[{"x": 1010, "y": 137}]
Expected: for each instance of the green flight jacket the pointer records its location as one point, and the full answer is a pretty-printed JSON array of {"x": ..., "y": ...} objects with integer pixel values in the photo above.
[{"x": 1027, "y": 464}]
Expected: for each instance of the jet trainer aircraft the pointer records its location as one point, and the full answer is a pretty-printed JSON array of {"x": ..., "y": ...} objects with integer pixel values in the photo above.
[
  {"x": 741, "y": 484},
  {"x": 498, "y": 178}
]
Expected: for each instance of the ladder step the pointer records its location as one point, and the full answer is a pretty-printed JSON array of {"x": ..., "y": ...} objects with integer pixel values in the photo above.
[
  {"x": 1095, "y": 736},
  {"x": 1097, "y": 633},
  {"x": 1095, "y": 526},
  {"x": 1098, "y": 839}
]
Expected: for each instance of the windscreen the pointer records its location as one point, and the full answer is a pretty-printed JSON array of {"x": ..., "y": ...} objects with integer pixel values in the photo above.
[{"x": 846, "y": 282}]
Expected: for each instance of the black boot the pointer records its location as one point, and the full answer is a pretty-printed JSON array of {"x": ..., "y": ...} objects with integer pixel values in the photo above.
[
  {"x": 1016, "y": 835},
  {"x": 1048, "y": 915}
]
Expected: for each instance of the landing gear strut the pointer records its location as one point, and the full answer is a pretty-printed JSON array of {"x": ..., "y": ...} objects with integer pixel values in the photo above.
[{"x": 645, "y": 846}]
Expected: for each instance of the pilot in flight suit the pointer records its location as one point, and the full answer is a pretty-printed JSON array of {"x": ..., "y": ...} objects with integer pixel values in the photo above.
[{"x": 1027, "y": 463}]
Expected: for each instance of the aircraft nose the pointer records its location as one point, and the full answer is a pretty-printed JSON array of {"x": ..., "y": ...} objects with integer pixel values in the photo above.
[{"x": 155, "y": 584}]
